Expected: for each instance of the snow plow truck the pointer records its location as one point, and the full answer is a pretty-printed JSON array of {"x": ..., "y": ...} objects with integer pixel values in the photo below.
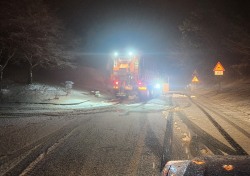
[{"x": 130, "y": 79}]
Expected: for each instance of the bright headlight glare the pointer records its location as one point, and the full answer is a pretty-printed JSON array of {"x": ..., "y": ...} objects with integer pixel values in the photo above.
[
  {"x": 157, "y": 86},
  {"x": 116, "y": 54}
]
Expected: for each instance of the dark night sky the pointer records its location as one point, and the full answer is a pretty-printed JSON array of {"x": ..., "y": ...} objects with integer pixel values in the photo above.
[
  {"x": 148, "y": 26},
  {"x": 107, "y": 25}
]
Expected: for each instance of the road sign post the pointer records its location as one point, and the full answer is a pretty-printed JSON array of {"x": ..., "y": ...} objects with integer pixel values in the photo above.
[
  {"x": 218, "y": 72},
  {"x": 195, "y": 81}
]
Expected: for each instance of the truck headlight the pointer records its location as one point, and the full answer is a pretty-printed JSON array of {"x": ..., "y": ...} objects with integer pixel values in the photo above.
[{"x": 157, "y": 86}]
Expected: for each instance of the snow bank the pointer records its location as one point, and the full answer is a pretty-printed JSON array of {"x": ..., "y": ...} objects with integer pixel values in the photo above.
[
  {"x": 31, "y": 93},
  {"x": 234, "y": 94}
]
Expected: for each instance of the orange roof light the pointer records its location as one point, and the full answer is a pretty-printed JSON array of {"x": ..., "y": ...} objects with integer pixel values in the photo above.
[
  {"x": 228, "y": 167},
  {"x": 198, "y": 162}
]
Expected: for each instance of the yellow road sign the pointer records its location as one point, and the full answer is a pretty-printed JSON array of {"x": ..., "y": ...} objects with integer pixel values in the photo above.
[
  {"x": 218, "y": 73},
  {"x": 219, "y": 67},
  {"x": 195, "y": 79}
]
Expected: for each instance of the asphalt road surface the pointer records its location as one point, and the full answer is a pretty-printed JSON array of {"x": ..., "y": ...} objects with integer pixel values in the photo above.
[{"x": 127, "y": 138}]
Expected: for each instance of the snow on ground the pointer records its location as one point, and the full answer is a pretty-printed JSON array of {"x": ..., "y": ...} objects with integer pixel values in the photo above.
[
  {"x": 31, "y": 93},
  {"x": 51, "y": 89},
  {"x": 153, "y": 105},
  {"x": 45, "y": 98},
  {"x": 49, "y": 95},
  {"x": 235, "y": 95}
]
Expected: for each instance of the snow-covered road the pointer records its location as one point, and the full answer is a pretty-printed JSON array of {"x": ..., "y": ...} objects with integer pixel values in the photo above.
[{"x": 118, "y": 138}]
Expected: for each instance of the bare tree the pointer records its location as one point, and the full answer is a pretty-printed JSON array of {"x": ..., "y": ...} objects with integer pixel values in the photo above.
[
  {"x": 42, "y": 38},
  {"x": 37, "y": 34},
  {"x": 4, "y": 60},
  {"x": 7, "y": 44}
]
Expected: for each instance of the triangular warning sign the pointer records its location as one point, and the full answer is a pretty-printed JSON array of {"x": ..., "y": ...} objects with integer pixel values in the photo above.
[
  {"x": 195, "y": 79},
  {"x": 219, "y": 67}
]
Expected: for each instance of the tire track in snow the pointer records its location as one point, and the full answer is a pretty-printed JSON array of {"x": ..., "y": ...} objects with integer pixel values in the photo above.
[
  {"x": 168, "y": 137},
  {"x": 230, "y": 140},
  {"x": 229, "y": 121}
]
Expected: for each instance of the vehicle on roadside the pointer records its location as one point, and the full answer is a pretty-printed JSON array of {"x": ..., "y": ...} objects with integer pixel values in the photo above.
[{"x": 209, "y": 165}]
